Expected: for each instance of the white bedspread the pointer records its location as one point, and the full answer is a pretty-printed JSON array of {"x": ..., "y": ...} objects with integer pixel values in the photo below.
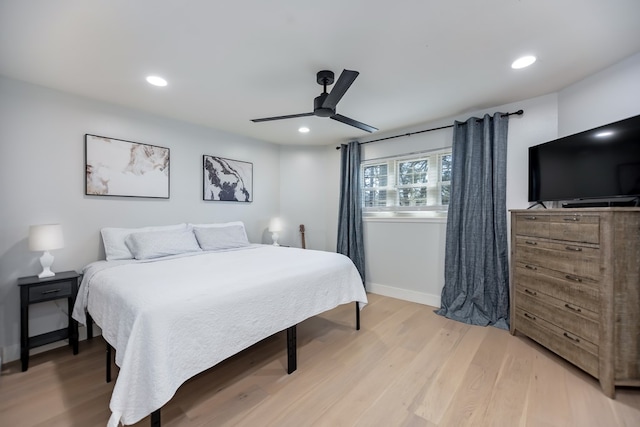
[{"x": 173, "y": 318}]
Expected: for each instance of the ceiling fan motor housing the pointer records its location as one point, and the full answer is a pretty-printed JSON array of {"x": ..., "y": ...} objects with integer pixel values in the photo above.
[{"x": 318, "y": 110}]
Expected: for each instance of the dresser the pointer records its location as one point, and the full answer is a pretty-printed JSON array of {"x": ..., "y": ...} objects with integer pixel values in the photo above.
[{"x": 575, "y": 288}]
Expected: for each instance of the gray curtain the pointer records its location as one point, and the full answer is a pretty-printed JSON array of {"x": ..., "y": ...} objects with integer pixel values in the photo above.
[
  {"x": 350, "y": 230},
  {"x": 476, "y": 272}
]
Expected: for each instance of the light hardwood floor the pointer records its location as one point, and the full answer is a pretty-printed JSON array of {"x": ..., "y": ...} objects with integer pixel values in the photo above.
[{"x": 405, "y": 367}]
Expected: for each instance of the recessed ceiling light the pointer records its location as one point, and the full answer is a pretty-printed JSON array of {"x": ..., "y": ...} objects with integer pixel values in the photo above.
[
  {"x": 157, "y": 81},
  {"x": 523, "y": 62},
  {"x": 303, "y": 129}
]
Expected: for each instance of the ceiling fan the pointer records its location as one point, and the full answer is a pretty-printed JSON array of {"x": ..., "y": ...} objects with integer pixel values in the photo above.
[{"x": 325, "y": 104}]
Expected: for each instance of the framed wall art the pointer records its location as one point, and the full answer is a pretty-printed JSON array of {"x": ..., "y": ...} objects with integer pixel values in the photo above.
[
  {"x": 114, "y": 167},
  {"x": 227, "y": 180}
]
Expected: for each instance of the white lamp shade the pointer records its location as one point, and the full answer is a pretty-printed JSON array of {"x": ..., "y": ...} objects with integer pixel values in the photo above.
[
  {"x": 45, "y": 237},
  {"x": 275, "y": 225}
]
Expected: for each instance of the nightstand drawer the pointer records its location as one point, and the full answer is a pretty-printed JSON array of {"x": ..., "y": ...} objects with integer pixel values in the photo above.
[{"x": 50, "y": 291}]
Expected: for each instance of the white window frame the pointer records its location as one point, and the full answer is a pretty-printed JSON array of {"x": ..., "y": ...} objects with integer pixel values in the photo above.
[{"x": 434, "y": 184}]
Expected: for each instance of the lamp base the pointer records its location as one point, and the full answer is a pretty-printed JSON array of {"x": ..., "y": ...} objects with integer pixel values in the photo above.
[
  {"x": 275, "y": 236},
  {"x": 46, "y": 260}
]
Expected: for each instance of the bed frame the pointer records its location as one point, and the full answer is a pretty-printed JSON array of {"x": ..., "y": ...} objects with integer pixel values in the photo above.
[{"x": 292, "y": 360}]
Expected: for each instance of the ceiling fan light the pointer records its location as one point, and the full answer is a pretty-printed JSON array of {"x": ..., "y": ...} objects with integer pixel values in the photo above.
[
  {"x": 303, "y": 129},
  {"x": 523, "y": 62}
]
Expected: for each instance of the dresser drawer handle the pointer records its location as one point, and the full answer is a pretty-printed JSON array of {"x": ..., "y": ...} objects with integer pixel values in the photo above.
[
  {"x": 570, "y": 307},
  {"x": 529, "y": 316},
  {"x": 573, "y": 248},
  {"x": 531, "y": 218},
  {"x": 574, "y": 278},
  {"x": 530, "y": 267},
  {"x": 529, "y": 242},
  {"x": 50, "y": 291},
  {"x": 570, "y": 337},
  {"x": 531, "y": 292},
  {"x": 571, "y": 219}
]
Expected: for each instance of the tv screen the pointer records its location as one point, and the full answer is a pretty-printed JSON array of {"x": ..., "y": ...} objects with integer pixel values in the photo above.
[{"x": 601, "y": 163}]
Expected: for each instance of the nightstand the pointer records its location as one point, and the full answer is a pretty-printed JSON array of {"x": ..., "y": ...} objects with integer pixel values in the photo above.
[{"x": 34, "y": 290}]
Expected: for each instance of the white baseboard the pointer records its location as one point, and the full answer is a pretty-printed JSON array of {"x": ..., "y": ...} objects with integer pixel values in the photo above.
[
  {"x": 404, "y": 294},
  {"x": 12, "y": 352}
]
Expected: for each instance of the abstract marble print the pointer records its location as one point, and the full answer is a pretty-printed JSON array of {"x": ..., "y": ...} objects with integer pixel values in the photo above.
[
  {"x": 227, "y": 180},
  {"x": 122, "y": 168}
]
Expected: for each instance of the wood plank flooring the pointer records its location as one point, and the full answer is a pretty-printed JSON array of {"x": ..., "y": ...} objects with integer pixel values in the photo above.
[{"x": 405, "y": 367}]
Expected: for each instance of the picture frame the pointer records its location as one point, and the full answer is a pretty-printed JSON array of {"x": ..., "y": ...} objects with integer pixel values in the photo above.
[
  {"x": 116, "y": 167},
  {"x": 226, "y": 180}
]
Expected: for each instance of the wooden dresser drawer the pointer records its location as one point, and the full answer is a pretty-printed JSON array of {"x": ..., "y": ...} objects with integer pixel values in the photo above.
[
  {"x": 575, "y": 260},
  {"x": 575, "y": 228},
  {"x": 532, "y": 225},
  {"x": 577, "y": 320},
  {"x": 577, "y": 351},
  {"x": 582, "y": 292}
]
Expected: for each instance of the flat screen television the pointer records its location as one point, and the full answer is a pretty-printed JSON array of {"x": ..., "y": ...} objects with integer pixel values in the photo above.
[{"x": 597, "y": 167}]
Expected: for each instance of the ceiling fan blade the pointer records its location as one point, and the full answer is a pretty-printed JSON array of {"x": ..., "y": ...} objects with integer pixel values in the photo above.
[
  {"x": 291, "y": 116},
  {"x": 354, "y": 123},
  {"x": 344, "y": 81}
]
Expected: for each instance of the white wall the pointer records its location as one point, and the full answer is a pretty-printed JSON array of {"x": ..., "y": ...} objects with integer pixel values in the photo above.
[
  {"x": 608, "y": 96},
  {"x": 42, "y": 181},
  {"x": 303, "y": 196}
]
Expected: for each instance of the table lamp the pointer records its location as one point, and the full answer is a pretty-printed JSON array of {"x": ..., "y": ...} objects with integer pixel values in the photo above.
[
  {"x": 275, "y": 226},
  {"x": 45, "y": 238}
]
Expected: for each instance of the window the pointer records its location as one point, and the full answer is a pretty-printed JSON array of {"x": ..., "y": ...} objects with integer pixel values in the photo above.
[{"x": 416, "y": 182}]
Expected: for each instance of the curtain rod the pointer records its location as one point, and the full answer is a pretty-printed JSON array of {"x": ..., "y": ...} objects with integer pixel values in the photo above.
[{"x": 517, "y": 113}]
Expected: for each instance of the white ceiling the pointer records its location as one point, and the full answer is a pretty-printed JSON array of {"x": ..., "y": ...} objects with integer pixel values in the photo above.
[{"x": 231, "y": 61}]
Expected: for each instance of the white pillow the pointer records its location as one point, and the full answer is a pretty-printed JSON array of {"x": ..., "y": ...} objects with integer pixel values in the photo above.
[
  {"x": 218, "y": 224},
  {"x": 217, "y": 238},
  {"x": 156, "y": 244},
  {"x": 113, "y": 239}
]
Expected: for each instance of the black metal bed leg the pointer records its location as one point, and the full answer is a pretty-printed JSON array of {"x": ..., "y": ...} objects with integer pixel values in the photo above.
[
  {"x": 292, "y": 363},
  {"x": 155, "y": 418},
  {"x": 108, "y": 363},
  {"x": 357, "y": 316}
]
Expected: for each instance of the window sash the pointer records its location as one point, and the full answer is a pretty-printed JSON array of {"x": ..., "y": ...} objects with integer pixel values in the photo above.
[{"x": 392, "y": 199}]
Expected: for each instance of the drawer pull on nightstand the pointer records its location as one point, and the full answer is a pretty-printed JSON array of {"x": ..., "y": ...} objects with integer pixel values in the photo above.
[
  {"x": 530, "y": 267},
  {"x": 571, "y": 219},
  {"x": 51, "y": 291},
  {"x": 529, "y": 316},
  {"x": 531, "y": 292},
  {"x": 531, "y": 218},
  {"x": 529, "y": 242},
  {"x": 573, "y": 248},
  {"x": 570, "y": 337},
  {"x": 570, "y": 307},
  {"x": 574, "y": 278}
]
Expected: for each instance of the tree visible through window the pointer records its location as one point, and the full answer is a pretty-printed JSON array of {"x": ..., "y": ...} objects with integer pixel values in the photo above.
[{"x": 417, "y": 182}]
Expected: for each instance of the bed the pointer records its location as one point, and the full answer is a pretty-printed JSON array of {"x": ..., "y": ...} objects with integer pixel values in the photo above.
[{"x": 172, "y": 309}]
